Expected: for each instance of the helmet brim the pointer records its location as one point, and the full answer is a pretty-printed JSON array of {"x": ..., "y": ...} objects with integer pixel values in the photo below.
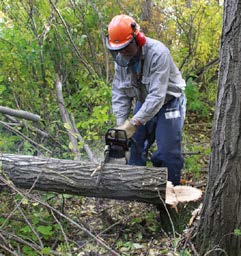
[{"x": 116, "y": 47}]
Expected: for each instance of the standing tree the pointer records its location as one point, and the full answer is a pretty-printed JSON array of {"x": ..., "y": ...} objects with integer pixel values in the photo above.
[{"x": 219, "y": 230}]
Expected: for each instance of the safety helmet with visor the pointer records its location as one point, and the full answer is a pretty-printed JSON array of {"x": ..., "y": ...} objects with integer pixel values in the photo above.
[{"x": 122, "y": 32}]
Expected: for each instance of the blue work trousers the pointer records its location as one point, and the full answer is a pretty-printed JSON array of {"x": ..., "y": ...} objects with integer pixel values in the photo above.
[{"x": 166, "y": 129}]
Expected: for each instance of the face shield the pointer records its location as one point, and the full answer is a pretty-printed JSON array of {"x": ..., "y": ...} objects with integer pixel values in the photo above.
[
  {"x": 124, "y": 60},
  {"x": 124, "y": 56}
]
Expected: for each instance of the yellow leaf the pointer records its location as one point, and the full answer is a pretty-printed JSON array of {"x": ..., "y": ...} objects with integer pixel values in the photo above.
[{"x": 25, "y": 201}]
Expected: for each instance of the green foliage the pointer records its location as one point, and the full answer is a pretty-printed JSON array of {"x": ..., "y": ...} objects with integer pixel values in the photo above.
[
  {"x": 237, "y": 232},
  {"x": 125, "y": 247},
  {"x": 46, "y": 231},
  {"x": 8, "y": 142},
  {"x": 152, "y": 222},
  {"x": 192, "y": 165},
  {"x": 40, "y": 224},
  {"x": 28, "y": 251},
  {"x": 94, "y": 102},
  {"x": 195, "y": 33},
  {"x": 197, "y": 156},
  {"x": 184, "y": 253},
  {"x": 46, "y": 251},
  {"x": 36, "y": 44},
  {"x": 197, "y": 101}
]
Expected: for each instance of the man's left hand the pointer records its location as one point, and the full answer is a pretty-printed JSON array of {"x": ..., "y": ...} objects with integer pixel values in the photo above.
[{"x": 128, "y": 128}]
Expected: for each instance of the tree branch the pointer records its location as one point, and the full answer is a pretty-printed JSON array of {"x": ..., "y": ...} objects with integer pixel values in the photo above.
[
  {"x": 35, "y": 144},
  {"x": 85, "y": 146},
  {"x": 66, "y": 119},
  {"x": 16, "y": 122},
  {"x": 19, "y": 113},
  {"x": 86, "y": 64},
  {"x": 51, "y": 208},
  {"x": 102, "y": 39}
]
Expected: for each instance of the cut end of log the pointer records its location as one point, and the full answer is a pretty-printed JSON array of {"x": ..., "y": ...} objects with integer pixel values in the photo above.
[{"x": 181, "y": 194}]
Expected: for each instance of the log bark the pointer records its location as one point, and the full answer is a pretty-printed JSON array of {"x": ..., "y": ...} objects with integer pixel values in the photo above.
[{"x": 113, "y": 181}]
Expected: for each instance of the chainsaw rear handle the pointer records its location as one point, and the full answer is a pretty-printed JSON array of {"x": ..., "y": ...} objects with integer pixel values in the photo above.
[{"x": 116, "y": 137}]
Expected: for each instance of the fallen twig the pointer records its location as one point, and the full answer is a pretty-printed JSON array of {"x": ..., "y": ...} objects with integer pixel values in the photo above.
[
  {"x": 34, "y": 144},
  {"x": 74, "y": 223}
]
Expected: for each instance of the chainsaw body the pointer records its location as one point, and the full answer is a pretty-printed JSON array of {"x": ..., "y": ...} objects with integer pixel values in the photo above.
[{"x": 117, "y": 146}]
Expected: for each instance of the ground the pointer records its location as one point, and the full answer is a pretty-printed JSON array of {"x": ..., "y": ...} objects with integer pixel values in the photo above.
[{"x": 129, "y": 228}]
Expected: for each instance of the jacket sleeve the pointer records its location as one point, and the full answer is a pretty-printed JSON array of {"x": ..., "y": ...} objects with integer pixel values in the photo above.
[
  {"x": 156, "y": 84},
  {"x": 121, "y": 103}
]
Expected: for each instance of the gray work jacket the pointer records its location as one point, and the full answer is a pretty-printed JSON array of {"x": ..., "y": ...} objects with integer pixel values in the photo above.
[{"x": 160, "y": 79}]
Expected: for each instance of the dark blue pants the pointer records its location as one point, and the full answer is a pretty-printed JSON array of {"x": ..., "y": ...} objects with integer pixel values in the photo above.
[{"x": 166, "y": 129}]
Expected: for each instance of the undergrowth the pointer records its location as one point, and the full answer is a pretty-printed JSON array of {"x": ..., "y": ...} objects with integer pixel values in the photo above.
[
  {"x": 31, "y": 227},
  {"x": 37, "y": 223}
]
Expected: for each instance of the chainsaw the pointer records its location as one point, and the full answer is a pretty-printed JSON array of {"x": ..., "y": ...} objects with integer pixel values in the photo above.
[
  {"x": 117, "y": 146},
  {"x": 116, "y": 150}
]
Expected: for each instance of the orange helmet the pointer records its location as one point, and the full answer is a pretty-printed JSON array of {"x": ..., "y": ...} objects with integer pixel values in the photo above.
[{"x": 121, "y": 31}]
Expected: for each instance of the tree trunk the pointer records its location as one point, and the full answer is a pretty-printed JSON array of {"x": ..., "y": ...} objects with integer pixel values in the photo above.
[
  {"x": 146, "y": 15},
  {"x": 124, "y": 182},
  {"x": 221, "y": 213}
]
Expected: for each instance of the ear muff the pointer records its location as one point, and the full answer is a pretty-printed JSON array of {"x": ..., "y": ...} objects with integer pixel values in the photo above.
[
  {"x": 140, "y": 39},
  {"x": 139, "y": 36}
]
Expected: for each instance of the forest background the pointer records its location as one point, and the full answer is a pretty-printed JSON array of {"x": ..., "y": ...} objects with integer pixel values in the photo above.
[{"x": 41, "y": 41}]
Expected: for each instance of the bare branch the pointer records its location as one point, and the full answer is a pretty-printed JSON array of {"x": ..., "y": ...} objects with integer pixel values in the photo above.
[
  {"x": 207, "y": 66},
  {"x": 62, "y": 230},
  {"x": 66, "y": 119},
  {"x": 74, "y": 223},
  {"x": 86, "y": 64},
  {"x": 20, "y": 240},
  {"x": 16, "y": 122},
  {"x": 7, "y": 249},
  {"x": 34, "y": 144},
  {"x": 31, "y": 226},
  {"x": 85, "y": 146},
  {"x": 19, "y": 113},
  {"x": 102, "y": 38},
  {"x": 81, "y": 9}
]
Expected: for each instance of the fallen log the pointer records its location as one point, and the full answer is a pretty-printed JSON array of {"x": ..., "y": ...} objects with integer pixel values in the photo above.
[
  {"x": 122, "y": 182},
  {"x": 113, "y": 181}
]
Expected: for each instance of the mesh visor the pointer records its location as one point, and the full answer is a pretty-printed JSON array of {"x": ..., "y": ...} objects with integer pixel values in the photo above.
[{"x": 120, "y": 59}]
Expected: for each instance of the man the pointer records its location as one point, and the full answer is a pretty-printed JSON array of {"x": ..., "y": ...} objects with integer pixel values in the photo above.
[{"x": 145, "y": 73}]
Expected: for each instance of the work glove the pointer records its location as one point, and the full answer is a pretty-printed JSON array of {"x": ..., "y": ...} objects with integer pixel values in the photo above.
[{"x": 128, "y": 128}]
